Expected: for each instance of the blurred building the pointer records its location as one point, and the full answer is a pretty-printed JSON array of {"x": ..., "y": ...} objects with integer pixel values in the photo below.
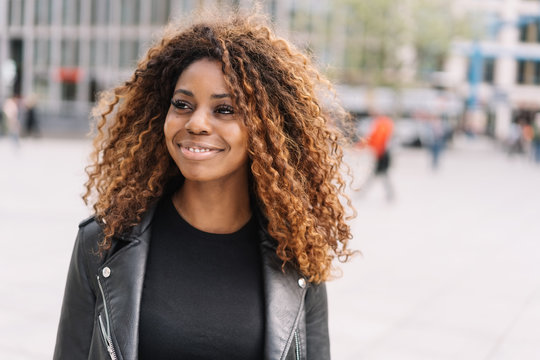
[
  {"x": 499, "y": 73},
  {"x": 65, "y": 51}
]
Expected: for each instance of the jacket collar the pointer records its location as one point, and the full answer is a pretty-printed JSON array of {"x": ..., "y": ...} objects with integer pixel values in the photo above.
[{"x": 284, "y": 292}]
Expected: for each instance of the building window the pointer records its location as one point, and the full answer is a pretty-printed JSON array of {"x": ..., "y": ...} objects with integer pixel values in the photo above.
[
  {"x": 485, "y": 73},
  {"x": 100, "y": 12},
  {"x": 42, "y": 12},
  {"x": 130, "y": 12},
  {"x": 42, "y": 53},
  {"x": 489, "y": 67},
  {"x": 529, "y": 29},
  {"x": 70, "y": 53},
  {"x": 129, "y": 50},
  {"x": 99, "y": 53},
  {"x": 71, "y": 12},
  {"x": 161, "y": 11},
  {"x": 41, "y": 84},
  {"x": 528, "y": 72},
  {"x": 69, "y": 91},
  {"x": 16, "y": 12},
  {"x": 493, "y": 25},
  {"x": 93, "y": 54},
  {"x": 273, "y": 10}
]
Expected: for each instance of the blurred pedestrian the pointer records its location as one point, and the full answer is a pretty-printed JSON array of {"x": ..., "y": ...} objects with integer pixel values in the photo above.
[
  {"x": 436, "y": 136},
  {"x": 527, "y": 134},
  {"x": 31, "y": 124},
  {"x": 514, "y": 140},
  {"x": 216, "y": 185},
  {"x": 378, "y": 141},
  {"x": 11, "y": 114}
]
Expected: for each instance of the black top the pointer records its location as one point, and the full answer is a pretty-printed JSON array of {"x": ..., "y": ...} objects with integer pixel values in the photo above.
[{"x": 203, "y": 293}]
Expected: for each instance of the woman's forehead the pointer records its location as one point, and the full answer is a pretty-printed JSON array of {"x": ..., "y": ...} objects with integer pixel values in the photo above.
[{"x": 202, "y": 74}]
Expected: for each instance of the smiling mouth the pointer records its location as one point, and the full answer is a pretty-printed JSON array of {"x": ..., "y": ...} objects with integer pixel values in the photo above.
[
  {"x": 198, "y": 152},
  {"x": 198, "y": 148}
]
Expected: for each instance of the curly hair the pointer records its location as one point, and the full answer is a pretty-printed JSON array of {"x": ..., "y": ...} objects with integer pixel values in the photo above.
[{"x": 294, "y": 148}]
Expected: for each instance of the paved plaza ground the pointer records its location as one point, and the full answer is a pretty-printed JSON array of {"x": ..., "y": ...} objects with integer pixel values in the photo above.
[{"x": 450, "y": 269}]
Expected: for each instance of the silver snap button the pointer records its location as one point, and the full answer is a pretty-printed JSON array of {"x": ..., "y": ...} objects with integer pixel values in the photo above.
[
  {"x": 106, "y": 272},
  {"x": 302, "y": 282}
]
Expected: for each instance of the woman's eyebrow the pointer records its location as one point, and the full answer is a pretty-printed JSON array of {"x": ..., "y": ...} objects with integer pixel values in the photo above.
[
  {"x": 220, "y": 96},
  {"x": 213, "y": 96},
  {"x": 185, "y": 92}
]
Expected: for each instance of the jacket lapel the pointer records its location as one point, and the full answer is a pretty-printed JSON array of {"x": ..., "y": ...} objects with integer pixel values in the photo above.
[
  {"x": 123, "y": 288},
  {"x": 284, "y": 299}
]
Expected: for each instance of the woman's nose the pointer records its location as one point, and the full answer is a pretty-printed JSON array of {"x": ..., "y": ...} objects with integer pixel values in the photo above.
[{"x": 199, "y": 122}]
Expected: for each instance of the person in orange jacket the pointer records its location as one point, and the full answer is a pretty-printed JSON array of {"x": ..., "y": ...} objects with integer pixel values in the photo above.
[{"x": 378, "y": 141}]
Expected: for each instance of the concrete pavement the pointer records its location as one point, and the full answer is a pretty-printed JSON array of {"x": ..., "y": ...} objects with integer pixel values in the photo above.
[
  {"x": 40, "y": 207},
  {"x": 449, "y": 270}
]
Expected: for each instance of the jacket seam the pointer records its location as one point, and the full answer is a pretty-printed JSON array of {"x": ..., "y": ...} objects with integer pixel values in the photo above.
[
  {"x": 300, "y": 345},
  {"x": 111, "y": 330},
  {"x": 85, "y": 262},
  {"x": 98, "y": 327},
  {"x": 295, "y": 326}
]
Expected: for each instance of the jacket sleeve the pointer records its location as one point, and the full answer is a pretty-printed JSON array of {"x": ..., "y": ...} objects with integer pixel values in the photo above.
[
  {"x": 77, "y": 314},
  {"x": 317, "y": 339}
]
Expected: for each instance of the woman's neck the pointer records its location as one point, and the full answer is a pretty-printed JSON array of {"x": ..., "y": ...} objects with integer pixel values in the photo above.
[{"x": 213, "y": 208}]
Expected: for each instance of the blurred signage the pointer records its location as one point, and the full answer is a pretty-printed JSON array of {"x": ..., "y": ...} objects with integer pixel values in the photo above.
[{"x": 69, "y": 74}]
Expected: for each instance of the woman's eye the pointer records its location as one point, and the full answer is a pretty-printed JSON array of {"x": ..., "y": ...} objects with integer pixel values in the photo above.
[
  {"x": 225, "y": 110},
  {"x": 179, "y": 104}
]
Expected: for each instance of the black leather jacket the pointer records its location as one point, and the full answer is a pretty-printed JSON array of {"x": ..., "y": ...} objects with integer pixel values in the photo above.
[{"x": 100, "y": 311}]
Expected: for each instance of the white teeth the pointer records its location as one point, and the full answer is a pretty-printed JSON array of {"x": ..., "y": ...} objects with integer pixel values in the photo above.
[{"x": 198, "y": 150}]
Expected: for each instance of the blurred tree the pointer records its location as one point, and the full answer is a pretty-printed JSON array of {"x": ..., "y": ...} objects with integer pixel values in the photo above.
[
  {"x": 433, "y": 31},
  {"x": 394, "y": 43}
]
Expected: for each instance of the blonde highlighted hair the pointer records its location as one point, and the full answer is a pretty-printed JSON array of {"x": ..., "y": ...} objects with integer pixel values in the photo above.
[{"x": 294, "y": 145}]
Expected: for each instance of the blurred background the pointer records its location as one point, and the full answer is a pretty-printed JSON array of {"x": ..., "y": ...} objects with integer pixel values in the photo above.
[{"x": 445, "y": 98}]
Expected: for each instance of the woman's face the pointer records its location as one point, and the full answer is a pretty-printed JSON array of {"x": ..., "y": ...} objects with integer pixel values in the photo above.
[{"x": 204, "y": 135}]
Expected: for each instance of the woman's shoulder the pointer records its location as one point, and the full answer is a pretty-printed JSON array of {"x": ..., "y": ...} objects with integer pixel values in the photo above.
[
  {"x": 89, "y": 236},
  {"x": 87, "y": 221},
  {"x": 90, "y": 231}
]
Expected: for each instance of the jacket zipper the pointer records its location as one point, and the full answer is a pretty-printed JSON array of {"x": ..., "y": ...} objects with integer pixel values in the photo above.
[
  {"x": 297, "y": 343},
  {"x": 106, "y": 331}
]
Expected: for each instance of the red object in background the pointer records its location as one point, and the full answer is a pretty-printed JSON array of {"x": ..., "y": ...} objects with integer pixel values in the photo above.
[
  {"x": 381, "y": 132},
  {"x": 69, "y": 74}
]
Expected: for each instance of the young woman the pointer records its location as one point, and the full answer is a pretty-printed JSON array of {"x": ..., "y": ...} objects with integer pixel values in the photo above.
[{"x": 216, "y": 185}]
